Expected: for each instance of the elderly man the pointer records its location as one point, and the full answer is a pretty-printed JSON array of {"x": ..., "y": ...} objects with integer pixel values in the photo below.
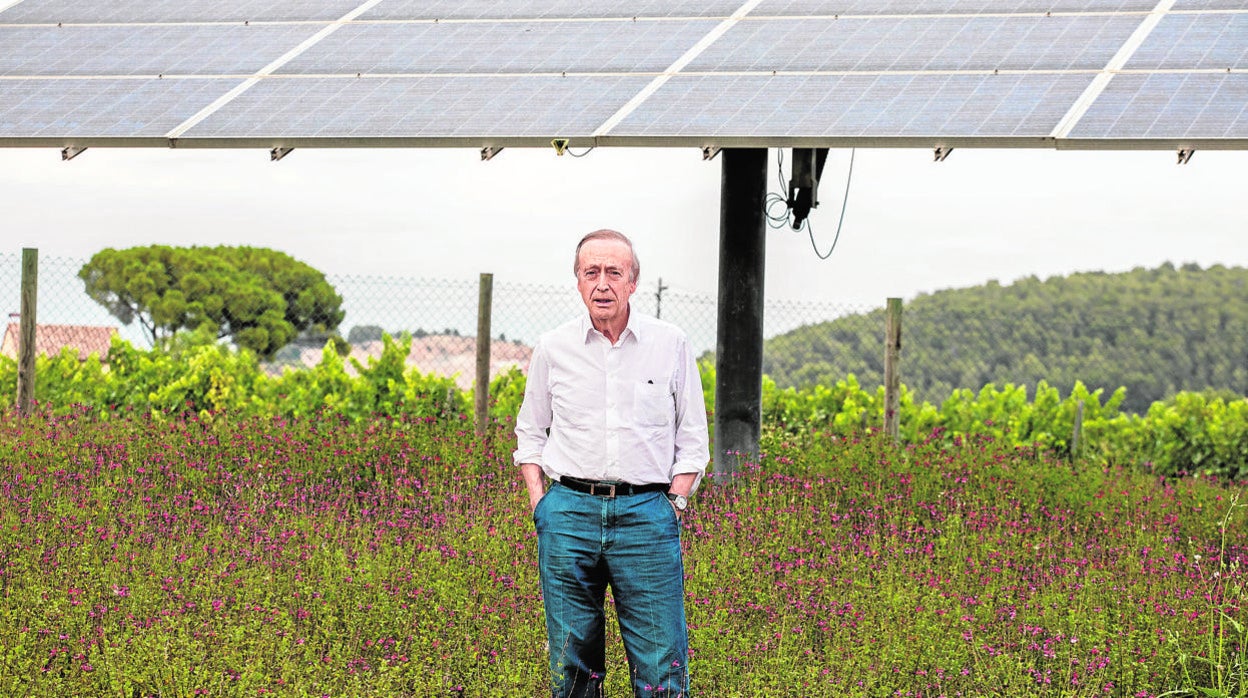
[{"x": 613, "y": 417}]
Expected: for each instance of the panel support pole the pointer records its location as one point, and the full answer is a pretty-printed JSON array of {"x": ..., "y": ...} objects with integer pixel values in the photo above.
[
  {"x": 739, "y": 328},
  {"x": 27, "y": 331}
]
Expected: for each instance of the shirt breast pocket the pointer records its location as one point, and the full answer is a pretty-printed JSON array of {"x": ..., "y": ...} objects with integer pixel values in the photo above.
[{"x": 653, "y": 405}]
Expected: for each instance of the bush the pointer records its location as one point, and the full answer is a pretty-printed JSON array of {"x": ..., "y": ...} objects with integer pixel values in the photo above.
[{"x": 1191, "y": 433}]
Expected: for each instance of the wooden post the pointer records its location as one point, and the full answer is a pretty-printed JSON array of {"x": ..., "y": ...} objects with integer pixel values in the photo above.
[
  {"x": 26, "y": 348},
  {"x": 485, "y": 298},
  {"x": 892, "y": 368},
  {"x": 1077, "y": 432}
]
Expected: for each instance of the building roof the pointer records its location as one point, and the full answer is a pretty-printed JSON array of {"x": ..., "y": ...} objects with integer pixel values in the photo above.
[{"x": 51, "y": 339}]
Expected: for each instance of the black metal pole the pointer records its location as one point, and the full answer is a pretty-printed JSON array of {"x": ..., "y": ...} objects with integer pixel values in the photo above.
[{"x": 739, "y": 331}]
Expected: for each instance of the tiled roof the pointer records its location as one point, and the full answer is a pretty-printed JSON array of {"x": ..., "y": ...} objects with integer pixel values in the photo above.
[{"x": 50, "y": 339}]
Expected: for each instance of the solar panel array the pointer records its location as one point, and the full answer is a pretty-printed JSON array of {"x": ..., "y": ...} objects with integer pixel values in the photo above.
[{"x": 334, "y": 73}]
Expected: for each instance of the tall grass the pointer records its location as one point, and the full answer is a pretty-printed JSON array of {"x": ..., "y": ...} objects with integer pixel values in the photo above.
[{"x": 174, "y": 557}]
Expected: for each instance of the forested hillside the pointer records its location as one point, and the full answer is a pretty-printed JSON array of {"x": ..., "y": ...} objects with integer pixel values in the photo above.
[{"x": 1152, "y": 331}]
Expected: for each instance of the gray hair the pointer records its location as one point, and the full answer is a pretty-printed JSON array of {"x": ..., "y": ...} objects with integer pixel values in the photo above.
[{"x": 607, "y": 234}]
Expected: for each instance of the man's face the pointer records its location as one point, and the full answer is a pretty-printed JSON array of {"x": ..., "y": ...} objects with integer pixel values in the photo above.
[{"x": 602, "y": 276}]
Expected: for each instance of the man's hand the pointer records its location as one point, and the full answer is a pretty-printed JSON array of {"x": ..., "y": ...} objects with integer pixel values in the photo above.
[
  {"x": 680, "y": 515},
  {"x": 534, "y": 482},
  {"x": 681, "y": 485}
]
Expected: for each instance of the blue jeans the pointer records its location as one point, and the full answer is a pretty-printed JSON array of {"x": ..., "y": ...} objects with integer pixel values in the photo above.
[{"x": 632, "y": 543}]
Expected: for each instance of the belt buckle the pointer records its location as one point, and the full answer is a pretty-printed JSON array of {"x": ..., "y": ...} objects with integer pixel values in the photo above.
[{"x": 593, "y": 489}]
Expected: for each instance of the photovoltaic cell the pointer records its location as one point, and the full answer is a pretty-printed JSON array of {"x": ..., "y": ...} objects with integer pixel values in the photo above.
[
  {"x": 810, "y": 8},
  {"x": 1185, "y": 41},
  {"x": 421, "y": 107},
  {"x": 503, "y": 47},
  {"x": 137, "y": 11},
  {"x": 856, "y": 105},
  {"x": 931, "y": 43},
  {"x": 548, "y": 9},
  {"x": 102, "y": 107},
  {"x": 1169, "y": 105},
  {"x": 145, "y": 49}
]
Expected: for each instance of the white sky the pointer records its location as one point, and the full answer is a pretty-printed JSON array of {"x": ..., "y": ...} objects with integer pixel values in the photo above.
[{"x": 912, "y": 226}]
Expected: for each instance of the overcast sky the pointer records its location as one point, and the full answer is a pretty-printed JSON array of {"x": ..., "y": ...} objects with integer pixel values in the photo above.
[{"x": 912, "y": 225}]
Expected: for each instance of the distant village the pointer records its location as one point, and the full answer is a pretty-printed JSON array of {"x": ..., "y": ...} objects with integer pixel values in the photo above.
[{"x": 440, "y": 354}]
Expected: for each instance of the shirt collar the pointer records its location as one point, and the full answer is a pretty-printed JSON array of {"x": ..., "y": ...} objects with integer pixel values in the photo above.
[{"x": 631, "y": 329}]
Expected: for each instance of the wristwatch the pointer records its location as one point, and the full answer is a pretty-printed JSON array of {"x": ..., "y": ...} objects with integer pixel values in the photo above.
[{"x": 679, "y": 501}]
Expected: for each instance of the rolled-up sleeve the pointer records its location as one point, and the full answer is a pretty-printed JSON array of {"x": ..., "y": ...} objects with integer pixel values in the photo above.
[
  {"x": 533, "y": 421},
  {"x": 692, "y": 447}
]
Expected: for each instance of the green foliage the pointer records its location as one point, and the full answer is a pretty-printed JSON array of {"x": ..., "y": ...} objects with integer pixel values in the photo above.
[
  {"x": 259, "y": 298},
  {"x": 1190, "y": 434},
  {"x": 196, "y": 374},
  {"x": 365, "y": 333},
  {"x": 506, "y": 393},
  {"x": 1155, "y": 332}
]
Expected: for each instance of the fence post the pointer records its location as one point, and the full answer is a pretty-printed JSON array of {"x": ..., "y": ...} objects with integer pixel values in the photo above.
[
  {"x": 1078, "y": 431},
  {"x": 485, "y": 299},
  {"x": 26, "y": 348},
  {"x": 892, "y": 372}
]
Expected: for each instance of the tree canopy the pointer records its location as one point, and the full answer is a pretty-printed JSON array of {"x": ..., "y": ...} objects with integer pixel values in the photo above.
[
  {"x": 1153, "y": 331},
  {"x": 259, "y": 298}
]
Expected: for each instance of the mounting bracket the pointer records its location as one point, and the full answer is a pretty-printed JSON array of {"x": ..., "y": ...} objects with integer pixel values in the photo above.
[
  {"x": 279, "y": 153},
  {"x": 1185, "y": 154},
  {"x": 71, "y": 152},
  {"x": 804, "y": 182},
  {"x": 941, "y": 153},
  {"x": 488, "y": 152}
]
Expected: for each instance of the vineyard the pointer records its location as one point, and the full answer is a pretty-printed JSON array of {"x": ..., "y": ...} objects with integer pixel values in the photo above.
[{"x": 1203, "y": 433}]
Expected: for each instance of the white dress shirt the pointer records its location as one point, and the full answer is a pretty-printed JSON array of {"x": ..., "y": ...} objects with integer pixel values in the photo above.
[{"x": 630, "y": 412}]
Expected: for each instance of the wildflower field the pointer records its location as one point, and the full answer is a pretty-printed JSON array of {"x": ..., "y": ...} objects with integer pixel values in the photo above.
[{"x": 262, "y": 556}]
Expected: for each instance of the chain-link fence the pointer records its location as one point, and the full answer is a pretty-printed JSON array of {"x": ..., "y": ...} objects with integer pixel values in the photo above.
[
  {"x": 439, "y": 314},
  {"x": 809, "y": 343}
]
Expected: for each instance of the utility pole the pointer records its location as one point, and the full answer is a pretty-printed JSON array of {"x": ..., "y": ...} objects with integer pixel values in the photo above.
[{"x": 658, "y": 299}]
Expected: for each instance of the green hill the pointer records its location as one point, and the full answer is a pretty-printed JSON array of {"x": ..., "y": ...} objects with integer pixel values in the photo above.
[{"x": 1153, "y": 331}]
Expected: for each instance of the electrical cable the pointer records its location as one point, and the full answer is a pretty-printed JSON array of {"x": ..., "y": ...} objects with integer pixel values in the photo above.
[
  {"x": 840, "y": 221},
  {"x": 583, "y": 153},
  {"x": 778, "y": 219}
]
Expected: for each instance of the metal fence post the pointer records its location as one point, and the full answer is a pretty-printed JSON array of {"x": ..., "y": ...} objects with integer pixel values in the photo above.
[
  {"x": 485, "y": 299},
  {"x": 26, "y": 348},
  {"x": 1077, "y": 432},
  {"x": 892, "y": 369}
]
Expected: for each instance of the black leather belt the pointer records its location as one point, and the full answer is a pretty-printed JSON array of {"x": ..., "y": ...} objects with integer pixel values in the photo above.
[{"x": 611, "y": 489}]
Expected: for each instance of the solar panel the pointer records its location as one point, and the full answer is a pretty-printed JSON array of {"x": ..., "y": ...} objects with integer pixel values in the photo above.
[
  {"x": 1010, "y": 73},
  {"x": 547, "y": 9},
  {"x": 501, "y": 47},
  {"x": 85, "y": 108},
  {"x": 809, "y": 8},
  {"x": 915, "y": 44},
  {"x": 1170, "y": 106},
  {"x": 1195, "y": 41},
  {"x": 141, "y": 11},
  {"x": 118, "y": 50},
  {"x": 1182, "y": 5},
  {"x": 420, "y": 108},
  {"x": 851, "y": 106}
]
